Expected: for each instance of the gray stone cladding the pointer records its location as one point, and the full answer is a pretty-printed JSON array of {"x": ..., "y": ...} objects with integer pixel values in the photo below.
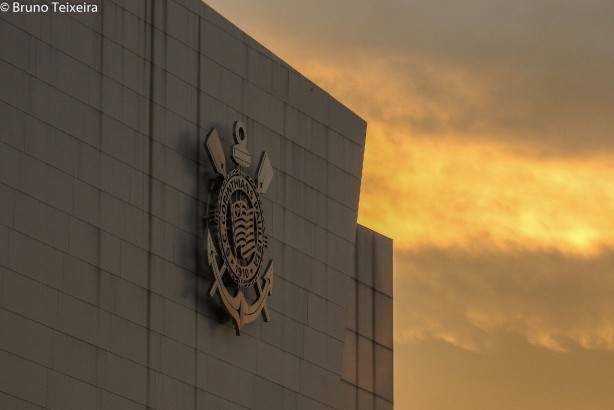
[
  {"x": 103, "y": 187},
  {"x": 367, "y": 370}
]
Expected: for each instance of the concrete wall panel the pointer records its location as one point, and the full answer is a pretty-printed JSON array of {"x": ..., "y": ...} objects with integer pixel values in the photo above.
[{"x": 104, "y": 183}]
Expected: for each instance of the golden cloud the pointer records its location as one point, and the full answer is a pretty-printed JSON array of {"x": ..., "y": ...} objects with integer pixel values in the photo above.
[
  {"x": 479, "y": 195},
  {"x": 476, "y": 301},
  {"x": 436, "y": 174}
]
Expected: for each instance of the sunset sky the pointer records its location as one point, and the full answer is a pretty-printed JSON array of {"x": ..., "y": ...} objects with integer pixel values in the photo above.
[{"x": 490, "y": 161}]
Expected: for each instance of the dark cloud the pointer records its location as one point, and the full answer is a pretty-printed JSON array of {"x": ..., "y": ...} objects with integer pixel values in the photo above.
[{"x": 543, "y": 69}]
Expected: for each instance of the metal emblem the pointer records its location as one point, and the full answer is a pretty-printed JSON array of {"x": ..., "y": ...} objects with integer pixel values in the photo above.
[{"x": 236, "y": 240}]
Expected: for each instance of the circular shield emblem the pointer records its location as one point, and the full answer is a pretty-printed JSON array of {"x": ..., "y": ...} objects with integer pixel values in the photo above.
[
  {"x": 240, "y": 227},
  {"x": 239, "y": 231}
]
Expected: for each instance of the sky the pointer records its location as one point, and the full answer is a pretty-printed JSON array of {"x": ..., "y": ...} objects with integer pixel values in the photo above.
[{"x": 490, "y": 161}]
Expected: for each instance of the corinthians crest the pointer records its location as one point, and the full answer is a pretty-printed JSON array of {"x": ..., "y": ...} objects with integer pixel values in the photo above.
[{"x": 236, "y": 238}]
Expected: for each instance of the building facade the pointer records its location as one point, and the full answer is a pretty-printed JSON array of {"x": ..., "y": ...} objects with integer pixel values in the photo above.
[{"x": 108, "y": 297}]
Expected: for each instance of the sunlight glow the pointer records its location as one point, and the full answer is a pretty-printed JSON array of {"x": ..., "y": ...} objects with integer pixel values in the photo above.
[{"x": 484, "y": 196}]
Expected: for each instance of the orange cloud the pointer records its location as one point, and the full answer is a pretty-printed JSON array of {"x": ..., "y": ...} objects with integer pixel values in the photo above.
[
  {"x": 478, "y": 195},
  {"x": 437, "y": 174}
]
